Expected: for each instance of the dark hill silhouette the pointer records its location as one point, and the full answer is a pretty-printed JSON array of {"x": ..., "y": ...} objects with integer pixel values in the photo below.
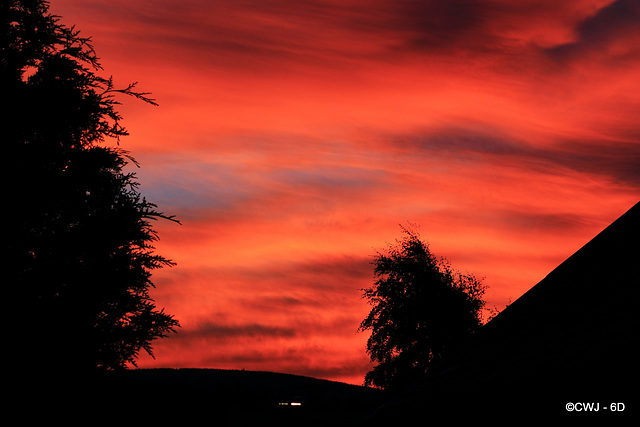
[
  {"x": 573, "y": 337},
  {"x": 258, "y": 389},
  {"x": 217, "y": 397}
]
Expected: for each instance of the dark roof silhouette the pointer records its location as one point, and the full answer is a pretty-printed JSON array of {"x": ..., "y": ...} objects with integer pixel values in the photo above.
[{"x": 573, "y": 337}]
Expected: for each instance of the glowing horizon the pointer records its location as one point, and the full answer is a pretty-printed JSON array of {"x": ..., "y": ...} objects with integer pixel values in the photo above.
[{"x": 292, "y": 139}]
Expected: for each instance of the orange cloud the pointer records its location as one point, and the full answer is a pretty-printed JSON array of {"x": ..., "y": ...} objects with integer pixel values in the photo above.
[{"x": 292, "y": 138}]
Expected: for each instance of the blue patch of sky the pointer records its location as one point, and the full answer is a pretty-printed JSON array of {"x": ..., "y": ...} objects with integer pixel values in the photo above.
[{"x": 193, "y": 186}]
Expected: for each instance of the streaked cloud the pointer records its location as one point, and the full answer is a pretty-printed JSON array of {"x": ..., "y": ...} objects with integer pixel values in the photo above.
[{"x": 293, "y": 137}]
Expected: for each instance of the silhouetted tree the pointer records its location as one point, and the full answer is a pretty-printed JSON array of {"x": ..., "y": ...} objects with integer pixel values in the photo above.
[
  {"x": 79, "y": 235},
  {"x": 421, "y": 310}
]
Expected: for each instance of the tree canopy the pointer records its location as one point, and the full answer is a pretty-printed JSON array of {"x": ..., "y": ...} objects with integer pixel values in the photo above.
[
  {"x": 421, "y": 309},
  {"x": 80, "y": 239}
]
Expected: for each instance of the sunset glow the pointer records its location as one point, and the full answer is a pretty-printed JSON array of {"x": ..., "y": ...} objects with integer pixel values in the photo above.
[{"x": 292, "y": 139}]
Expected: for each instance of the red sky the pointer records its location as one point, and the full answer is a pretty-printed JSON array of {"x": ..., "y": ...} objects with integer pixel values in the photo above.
[{"x": 292, "y": 139}]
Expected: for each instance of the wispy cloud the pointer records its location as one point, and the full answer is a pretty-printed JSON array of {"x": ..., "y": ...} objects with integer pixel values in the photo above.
[
  {"x": 293, "y": 137},
  {"x": 611, "y": 34}
]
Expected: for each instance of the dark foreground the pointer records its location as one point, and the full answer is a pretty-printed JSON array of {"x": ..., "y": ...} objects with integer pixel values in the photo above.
[{"x": 209, "y": 397}]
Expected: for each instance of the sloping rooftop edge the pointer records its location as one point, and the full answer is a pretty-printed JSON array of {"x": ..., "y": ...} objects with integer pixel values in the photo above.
[{"x": 571, "y": 337}]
